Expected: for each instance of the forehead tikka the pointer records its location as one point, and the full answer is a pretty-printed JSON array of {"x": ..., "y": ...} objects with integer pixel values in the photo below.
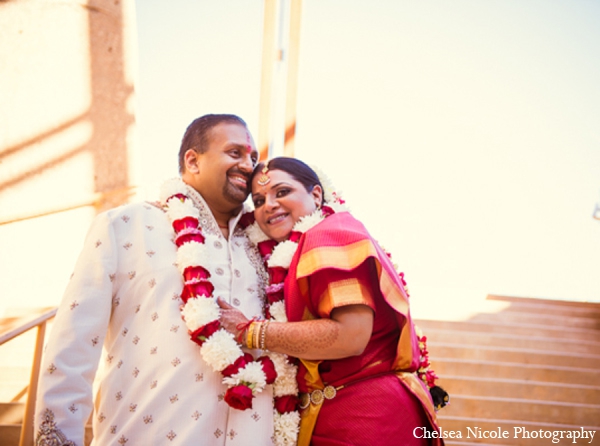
[
  {"x": 263, "y": 178},
  {"x": 248, "y": 145}
]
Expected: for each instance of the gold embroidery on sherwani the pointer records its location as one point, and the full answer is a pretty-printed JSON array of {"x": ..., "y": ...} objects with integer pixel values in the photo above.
[{"x": 49, "y": 434}]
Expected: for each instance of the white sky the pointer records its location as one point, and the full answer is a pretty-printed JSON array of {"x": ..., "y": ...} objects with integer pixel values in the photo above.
[{"x": 465, "y": 134}]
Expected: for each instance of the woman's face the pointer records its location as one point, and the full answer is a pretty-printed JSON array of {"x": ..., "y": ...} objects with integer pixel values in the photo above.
[{"x": 281, "y": 203}]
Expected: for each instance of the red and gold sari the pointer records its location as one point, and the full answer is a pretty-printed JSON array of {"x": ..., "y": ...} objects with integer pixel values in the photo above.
[{"x": 378, "y": 398}]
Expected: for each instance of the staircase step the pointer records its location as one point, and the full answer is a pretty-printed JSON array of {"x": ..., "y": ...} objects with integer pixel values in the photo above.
[
  {"x": 587, "y": 321},
  {"x": 511, "y": 340},
  {"x": 11, "y": 413},
  {"x": 532, "y": 390},
  {"x": 505, "y": 370},
  {"x": 518, "y": 355},
  {"x": 519, "y": 329},
  {"x": 549, "y": 306},
  {"x": 461, "y": 424},
  {"x": 499, "y": 408},
  {"x": 10, "y": 434}
]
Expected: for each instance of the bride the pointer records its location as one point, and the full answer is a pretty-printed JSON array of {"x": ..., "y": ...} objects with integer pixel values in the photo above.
[{"x": 345, "y": 317}]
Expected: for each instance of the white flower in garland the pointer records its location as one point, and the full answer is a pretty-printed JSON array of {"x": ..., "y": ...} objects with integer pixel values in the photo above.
[
  {"x": 278, "y": 311},
  {"x": 282, "y": 256},
  {"x": 199, "y": 312},
  {"x": 255, "y": 234},
  {"x": 191, "y": 254},
  {"x": 252, "y": 372},
  {"x": 287, "y": 426},
  {"x": 332, "y": 197},
  {"x": 220, "y": 350}
]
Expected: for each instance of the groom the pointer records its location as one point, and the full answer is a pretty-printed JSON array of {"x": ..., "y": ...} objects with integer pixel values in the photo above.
[{"x": 123, "y": 305}]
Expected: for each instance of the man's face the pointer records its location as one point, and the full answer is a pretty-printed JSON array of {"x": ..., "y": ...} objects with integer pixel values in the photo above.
[{"x": 225, "y": 167}]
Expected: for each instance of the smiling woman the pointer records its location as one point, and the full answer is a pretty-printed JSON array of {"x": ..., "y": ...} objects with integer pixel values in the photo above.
[
  {"x": 336, "y": 303},
  {"x": 282, "y": 200}
]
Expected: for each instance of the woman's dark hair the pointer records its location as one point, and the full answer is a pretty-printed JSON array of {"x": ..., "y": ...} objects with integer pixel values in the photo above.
[
  {"x": 197, "y": 133},
  {"x": 299, "y": 170}
]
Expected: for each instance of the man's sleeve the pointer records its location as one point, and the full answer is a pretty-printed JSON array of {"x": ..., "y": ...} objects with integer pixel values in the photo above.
[{"x": 64, "y": 398}]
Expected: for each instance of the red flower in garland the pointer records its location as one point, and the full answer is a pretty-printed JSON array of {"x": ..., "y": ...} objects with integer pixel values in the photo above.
[
  {"x": 269, "y": 368},
  {"x": 239, "y": 363},
  {"x": 266, "y": 248},
  {"x": 185, "y": 223},
  {"x": 277, "y": 274},
  {"x": 203, "y": 333},
  {"x": 239, "y": 397},
  {"x": 287, "y": 403}
]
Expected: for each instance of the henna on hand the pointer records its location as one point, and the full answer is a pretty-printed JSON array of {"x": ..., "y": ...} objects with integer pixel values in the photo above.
[{"x": 297, "y": 338}]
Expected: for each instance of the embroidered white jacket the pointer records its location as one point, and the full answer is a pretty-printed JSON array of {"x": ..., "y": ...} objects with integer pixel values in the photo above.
[{"x": 153, "y": 386}]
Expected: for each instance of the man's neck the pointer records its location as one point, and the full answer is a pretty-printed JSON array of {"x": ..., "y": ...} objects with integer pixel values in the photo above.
[{"x": 223, "y": 217}]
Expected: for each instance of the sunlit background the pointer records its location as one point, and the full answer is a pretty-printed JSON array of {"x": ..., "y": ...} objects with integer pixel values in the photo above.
[{"x": 464, "y": 134}]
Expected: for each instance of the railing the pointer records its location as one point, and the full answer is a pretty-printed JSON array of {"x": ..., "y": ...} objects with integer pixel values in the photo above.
[{"x": 11, "y": 330}]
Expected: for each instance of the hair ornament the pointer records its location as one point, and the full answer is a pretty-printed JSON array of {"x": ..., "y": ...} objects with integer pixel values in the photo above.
[{"x": 333, "y": 198}]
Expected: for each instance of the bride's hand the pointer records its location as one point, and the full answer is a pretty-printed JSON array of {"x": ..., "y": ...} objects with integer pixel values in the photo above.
[{"x": 232, "y": 318}]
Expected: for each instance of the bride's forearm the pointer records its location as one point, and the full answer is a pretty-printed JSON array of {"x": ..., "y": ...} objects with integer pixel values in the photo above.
[{"x": 345, "y": 335}]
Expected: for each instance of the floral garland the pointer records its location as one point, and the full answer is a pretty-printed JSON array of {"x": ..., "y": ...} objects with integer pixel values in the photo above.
[
  {"x": 244, "y": 376},
  {"x": 277, "y": 257}
]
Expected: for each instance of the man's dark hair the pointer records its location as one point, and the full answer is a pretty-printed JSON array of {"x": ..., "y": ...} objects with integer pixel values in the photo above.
[{"x": 197, "y": 134}]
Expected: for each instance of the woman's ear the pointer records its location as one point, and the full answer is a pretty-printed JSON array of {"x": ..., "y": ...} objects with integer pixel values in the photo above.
[
  {"x": 317, "y": 194},
  {"x": 190, "y": 159}
]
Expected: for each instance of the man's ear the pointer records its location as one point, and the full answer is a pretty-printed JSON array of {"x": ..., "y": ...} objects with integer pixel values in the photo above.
[{"x": 190, "y": 161}]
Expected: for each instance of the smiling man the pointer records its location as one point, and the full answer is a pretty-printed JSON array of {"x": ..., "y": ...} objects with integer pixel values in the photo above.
[
  {"x": 217, "y": 160},
  {"x": 129, "y": 293}
]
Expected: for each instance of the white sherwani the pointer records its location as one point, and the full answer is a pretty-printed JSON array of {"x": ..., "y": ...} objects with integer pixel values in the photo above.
[{"x": 154, "y": 387}]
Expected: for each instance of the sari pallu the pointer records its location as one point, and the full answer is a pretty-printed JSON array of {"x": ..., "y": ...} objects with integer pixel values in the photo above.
[{"x": 337, "y": 263}]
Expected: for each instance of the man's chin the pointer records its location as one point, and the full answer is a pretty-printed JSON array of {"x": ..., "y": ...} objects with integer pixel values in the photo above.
[{"x": 236, "y": 195}]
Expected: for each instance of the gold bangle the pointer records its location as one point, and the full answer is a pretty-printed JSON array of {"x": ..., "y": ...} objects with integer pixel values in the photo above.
[
  {"x": 249, "y": 337},
  {"x": 257, "y": 330},
  {"x": 263, "y": 334}
]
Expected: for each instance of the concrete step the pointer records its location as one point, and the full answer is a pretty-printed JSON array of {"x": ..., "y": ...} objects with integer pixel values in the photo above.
[
  {"x": 524, "y": 372},
  {"x": 498, "y": 408},
  {"x": 11, "y": 417},
  {"x": 532, "y": 390},
  {"x": 519, "y": 432},
  {"x": 519, "y": 355},
  {"x": 509, "y": 340},
  {"x": 506, "y": 328},
  {"x": 586, "y": 321},
  {"x": 11, "y": 413},
  {"x": 10, "y": 434},
  {"x": 549, "y": 306}
]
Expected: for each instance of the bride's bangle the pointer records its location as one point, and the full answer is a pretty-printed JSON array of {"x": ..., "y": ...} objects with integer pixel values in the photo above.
[
  {"x": 263, "y": 334},
  {"x": 250, "y": 336}
]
